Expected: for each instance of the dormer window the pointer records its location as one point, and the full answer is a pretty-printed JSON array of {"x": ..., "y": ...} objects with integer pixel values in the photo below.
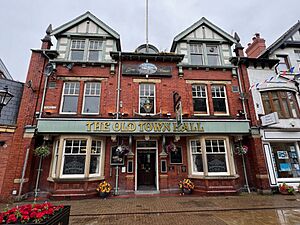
[
  {"x": 204, "y": 54},
  {"x": 86, "y": 50},
  {"x": 213, "y": 56},
  {"x": 95, "y": 50},
  {"x": 77, "y": 49},
  {"x": 196, "y": 54}
]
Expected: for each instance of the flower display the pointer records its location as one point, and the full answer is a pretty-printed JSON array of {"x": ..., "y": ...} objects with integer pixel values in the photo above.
[
  {"x": 42, "y": 151},
  {"x": 186, "y": 184},
  {"x": 30, "y": 213},
  {"x": 171, "y": 148},
  {"x": 241, "y": 150},
  {"x": 286, "y": 189},
  {"x": 104, "y": 187}
]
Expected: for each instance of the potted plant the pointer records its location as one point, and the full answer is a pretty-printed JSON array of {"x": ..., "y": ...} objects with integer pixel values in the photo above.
[
  {"x": 286, "y": 189},
  {"x": 104, "y": 189},
  {"x": 186, "y": 186},
  {"x": 39, "y": 214},
  {"x": 241, "y": 149}
]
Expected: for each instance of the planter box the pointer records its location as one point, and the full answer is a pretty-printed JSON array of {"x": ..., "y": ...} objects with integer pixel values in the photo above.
[{"x": 58, "y": 219}]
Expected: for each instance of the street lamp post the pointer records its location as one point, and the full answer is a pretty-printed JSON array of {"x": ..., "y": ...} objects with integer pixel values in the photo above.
[{"x": 5, "y": 97}]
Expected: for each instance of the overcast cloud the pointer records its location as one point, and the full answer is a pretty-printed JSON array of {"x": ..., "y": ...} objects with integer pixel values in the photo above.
[{"x": 23, "y": 22}]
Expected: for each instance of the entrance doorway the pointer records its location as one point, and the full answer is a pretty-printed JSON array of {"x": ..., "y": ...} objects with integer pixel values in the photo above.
[{"x": 146, "y": 168}]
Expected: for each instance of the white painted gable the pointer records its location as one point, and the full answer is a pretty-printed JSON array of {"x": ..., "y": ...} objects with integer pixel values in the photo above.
[
  {"x": 204, "y": 32},
  {"x": 87, "y": 27}
]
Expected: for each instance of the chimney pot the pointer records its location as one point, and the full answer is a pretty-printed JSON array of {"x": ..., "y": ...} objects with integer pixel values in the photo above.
[
  {"x": 254, "y": 38},
  {"x": 257, "y": 35}
]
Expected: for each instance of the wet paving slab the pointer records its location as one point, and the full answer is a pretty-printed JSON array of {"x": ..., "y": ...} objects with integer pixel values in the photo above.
[
  {"x": 233, "y": 217},
  {"x": 236, "y": 210}
]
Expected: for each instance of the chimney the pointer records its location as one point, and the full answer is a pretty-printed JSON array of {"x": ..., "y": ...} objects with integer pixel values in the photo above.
[{"x": 257, "y": 46}]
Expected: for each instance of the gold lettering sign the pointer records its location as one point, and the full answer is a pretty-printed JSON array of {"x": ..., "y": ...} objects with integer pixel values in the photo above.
[{"x": 143, "y": 127}]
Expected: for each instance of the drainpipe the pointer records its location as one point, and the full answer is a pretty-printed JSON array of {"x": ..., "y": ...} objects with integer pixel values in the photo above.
[
  {"x": 241, "y": 89},
  {"x": 44, "y": 91},
  {"x": 23, "y": 174},
  {"x": 117, "y": 117},
  {"x": 118, "y": 87}
]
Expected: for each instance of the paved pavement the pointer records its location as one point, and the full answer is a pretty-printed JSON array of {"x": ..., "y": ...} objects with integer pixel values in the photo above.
[{"x": 246, "y": 209}]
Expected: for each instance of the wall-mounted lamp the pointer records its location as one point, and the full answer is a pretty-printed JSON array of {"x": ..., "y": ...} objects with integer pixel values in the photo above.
[{"x": 5, "y": 97}]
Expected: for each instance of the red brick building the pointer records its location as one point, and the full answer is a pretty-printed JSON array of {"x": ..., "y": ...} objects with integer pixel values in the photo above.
[{"x": 175, "y": 115}]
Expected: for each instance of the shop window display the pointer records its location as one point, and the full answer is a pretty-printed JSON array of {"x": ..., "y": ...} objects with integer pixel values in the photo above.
[{"x": 286, "y": 160}]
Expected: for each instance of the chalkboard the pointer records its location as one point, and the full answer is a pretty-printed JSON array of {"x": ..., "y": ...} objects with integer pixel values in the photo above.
[
  {"x": 74, "y": 164},
  {"x": 176, "y": 156},
  {"x": 216, "y": 163}
]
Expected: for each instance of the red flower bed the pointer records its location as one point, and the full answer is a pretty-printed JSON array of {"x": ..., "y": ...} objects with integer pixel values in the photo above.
[{"x": 31, "y": 213}]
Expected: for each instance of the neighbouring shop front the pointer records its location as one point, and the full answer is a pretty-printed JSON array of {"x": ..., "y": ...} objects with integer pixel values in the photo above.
[
  {"x": 157, "y": 155},
  {"x": 282, "y": 154}
]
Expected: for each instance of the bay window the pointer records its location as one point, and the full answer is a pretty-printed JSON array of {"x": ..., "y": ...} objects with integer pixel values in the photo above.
[
  {"x": 209, "y": 156},
  {"x": 77, "y": 157},
  {"x": 282, "y": 102}
]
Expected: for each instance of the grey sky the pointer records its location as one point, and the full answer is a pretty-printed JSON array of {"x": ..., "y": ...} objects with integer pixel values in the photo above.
[{"x": 23, "y": 22}]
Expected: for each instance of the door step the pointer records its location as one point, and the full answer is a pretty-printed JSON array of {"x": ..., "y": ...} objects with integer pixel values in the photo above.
[{"x": 147, "y": 192}]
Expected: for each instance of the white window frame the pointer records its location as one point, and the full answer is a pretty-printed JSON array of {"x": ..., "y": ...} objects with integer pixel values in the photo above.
[
  {"x": 214, "y": 54},
  {"x": 206, "y": 97},
  {"x": 216, "y": 153},
  {"x": 77, "y": 49},
  {"x": 197, "y": 46},
  {"x": 228, "y": 157},
  {"x": 225, "y": 97},
  {"x": 99, "y": 49},
  {"x": 86, "y": 175},
  {"x": 63, "y": 159},
  {"x": 98, "y": 154},
  {"x": 69, "y": 94},
  {"x": 55, "y": 159},
  {"x": 91, "y": 95},
  {"x": 154, "y": 96},
  {"x": 191, "y": 157},
  {"x": 86, "y": 50}
]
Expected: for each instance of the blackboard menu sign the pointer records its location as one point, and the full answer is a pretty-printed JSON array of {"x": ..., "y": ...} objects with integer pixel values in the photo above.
[
  {"x": 176, "y": 156},
  {"x": 216, "y": 163}
]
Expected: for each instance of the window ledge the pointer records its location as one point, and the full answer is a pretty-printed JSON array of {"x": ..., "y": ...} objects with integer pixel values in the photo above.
[
  {"x": 223, "y": 177},
  {"x": 51, "y": 179}
]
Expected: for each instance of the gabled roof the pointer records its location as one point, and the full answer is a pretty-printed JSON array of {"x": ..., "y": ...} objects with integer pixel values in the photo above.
[
  {"x": 280, "y": 41},
  {"x": 196, "y": 25},
  {"x": 5, "y": 71},
  {"x": 79, "y": 19}
]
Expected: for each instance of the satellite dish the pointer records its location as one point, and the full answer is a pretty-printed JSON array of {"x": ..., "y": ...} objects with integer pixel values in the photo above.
[{"x": 49, "y": 68}]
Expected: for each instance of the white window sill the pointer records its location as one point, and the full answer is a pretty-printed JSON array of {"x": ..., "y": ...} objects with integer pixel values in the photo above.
[
  {"x": 95, "y": 178},
  {"x": 215, "y": 177}
]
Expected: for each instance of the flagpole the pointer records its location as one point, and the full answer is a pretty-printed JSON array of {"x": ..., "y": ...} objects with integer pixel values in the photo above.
[{"x": 147, "y": 41}]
